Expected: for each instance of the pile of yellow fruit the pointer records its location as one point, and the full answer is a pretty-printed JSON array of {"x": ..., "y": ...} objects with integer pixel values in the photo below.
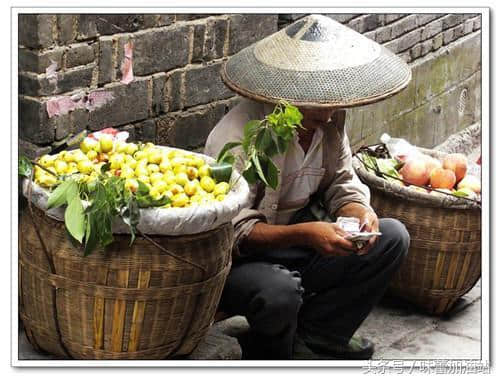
[{"x": 183, "y": 177}]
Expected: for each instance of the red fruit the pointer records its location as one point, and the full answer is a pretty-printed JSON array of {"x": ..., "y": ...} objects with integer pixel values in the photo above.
[
  {"x": 457, "y": 163},
  {"x": 415, "y": 172},
  {"x": 442, "y": 178}
]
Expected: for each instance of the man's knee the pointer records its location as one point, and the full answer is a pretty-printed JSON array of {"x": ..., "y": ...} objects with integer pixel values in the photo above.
[
  {"x": 396, "y": 235},
  {"x": 276, "y": 306}
]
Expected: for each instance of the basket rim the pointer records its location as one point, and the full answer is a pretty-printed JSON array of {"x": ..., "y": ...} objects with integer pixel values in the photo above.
[{"x": 404, "y": 193}]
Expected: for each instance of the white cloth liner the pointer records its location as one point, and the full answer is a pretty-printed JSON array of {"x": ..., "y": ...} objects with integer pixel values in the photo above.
[{"x": 168, "y": 221}]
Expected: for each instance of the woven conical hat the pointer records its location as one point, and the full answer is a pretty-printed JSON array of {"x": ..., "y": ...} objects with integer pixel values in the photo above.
[{"x": 316, "y": 62}]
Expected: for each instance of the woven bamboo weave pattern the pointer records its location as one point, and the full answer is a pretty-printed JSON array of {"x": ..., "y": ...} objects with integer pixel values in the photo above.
[{"x": 132, "y": 302}]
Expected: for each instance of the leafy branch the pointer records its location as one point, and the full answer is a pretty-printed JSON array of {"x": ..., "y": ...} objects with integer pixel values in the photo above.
[{"x": 262, "y": 140}]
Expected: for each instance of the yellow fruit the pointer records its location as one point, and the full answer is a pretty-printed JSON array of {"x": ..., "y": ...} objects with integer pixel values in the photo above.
[
  {"x": 181, "y": 178},
  {"x": 121, "y": 147},
  {"x": 106, "y": 143},
  {"x": 60, "y": 166},
  {"x": 141, "y": 171},
  {"x": 127, "y": 172},
  {"x": 176, "y": 189},
  {"x": 131, "y": 148},
  {"x": 85, "y": 166},
  {"x": 169, "y": 177},
  {"x": 192, "y": 172},
  {"x": 180, "y": 200},
  {"x": 143, "y": 178},
  {"x": 67, "y": 156},
  {"x": 180, "y": 169},
  {"x": 190, "y": 188},
  {"x": 139, "y": 155},
  {"x": 47, "y": 180},
  {"x": 154, "y": 156},
  {"x": 168, "y": 194},
  {"x": 155, "y": 193},
  {"x": 117, "y": 160},
  {"x": 221, "y": 188},
  {"x": 72, "y": 168},
  {"x": 220, "y": 197},
  {"x": 155, "y": 177},
  {"x": 178, "y": 161},
  {"x": 88, "y": 144},
  {"x": 204, "y": 171},
  {"x": 198, "y": 162},
  {"x": 173, "y": 153},
  {"x": 91, "y": 155},
  {"x": 47, "y": 160},
  {"x": 130, "y": 161},
  {"x": 161, "y": 186},
  {"x": 131, "y": 185},
  {"x": 196, "y": 199},
  {"x": 153, "y": 168},
  {"x": 165, "y": 165},
  {"x": 207, "y": 184}
]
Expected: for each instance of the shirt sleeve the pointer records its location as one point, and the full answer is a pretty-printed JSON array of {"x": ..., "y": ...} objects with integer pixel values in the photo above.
[{"x": 345, "y": 187}]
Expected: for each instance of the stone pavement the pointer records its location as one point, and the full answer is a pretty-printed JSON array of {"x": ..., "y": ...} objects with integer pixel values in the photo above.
[{"x": 398, "y": 330}]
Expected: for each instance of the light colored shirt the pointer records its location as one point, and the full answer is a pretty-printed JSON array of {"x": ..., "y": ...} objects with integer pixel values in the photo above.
[{"x": 301, "y": 176}]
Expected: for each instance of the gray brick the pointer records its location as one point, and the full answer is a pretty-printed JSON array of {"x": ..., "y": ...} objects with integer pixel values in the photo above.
[
  {"x": 130, "y": 104},
  {"x": 431, "y": 29},
  {"x": 403, "y": 26},
  {"x": 391, "y": 17},
  {"x": 65, "y": 23},
  {"x": 383, "y": 34},
  {"x": 62, "y": 126},
  {"x": 216, "y": 36},
  {"x": 158, "y": 103},
  {"x": 161, "y": 50},
  {"x": 118, "y": 23},
  {"x": 371, "y": 34},
  {"x": 87, "y": 27},
  {"x": 425, "y": 18},
  {"x": 72, "y": 79},
  {"x": 468, "y": 26},
  {"x": 342, "y": 17},
  {"x": 416, "y": 51},
  {"x": 79, "y": 54},
  {"x": 406, "y": 56},
  {"x": 29, "y": 84},
  {"x": 166, "y": 19},
  {"x": 477, "y": 23},
  {"x": 35, "y": 31},
  {"x": 364, "y": 23},
  {"x": 451, "y": 20},
  {"x": 458, "y": 31},
  {"x": 119, "y": 42},
  {"x": 79, "y": 120},
  {"x": 150, "y": 20},
  {"x": 189, "y": 130},
  {"x": 426, "y": 47},
  {"x": 409, "y": 40},
  {"x": 37, "y": 62},
  {"x": 198, "y": 42},
  {"x": 32, "y": 151},
  {"x": 437, "y": 41},
  {"x": 174, "y": 87},
  {"x": 246, "y": 29},
  {"x": 190, "y": 16},
  {"x": 146, "y": 131},
  {"x": 106, "y": 67},
  {"x": 34, "y": 123},
  {"x": 448, "y": 36},
  {"x": 204, "y": 85}
]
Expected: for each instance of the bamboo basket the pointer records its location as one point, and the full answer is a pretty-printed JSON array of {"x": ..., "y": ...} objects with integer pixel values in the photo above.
[
  {"x": 444, "y": 258},
  {"x": 130, "y": 302}
]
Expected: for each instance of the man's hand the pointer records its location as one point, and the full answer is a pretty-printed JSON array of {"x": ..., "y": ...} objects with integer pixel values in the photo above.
[
  {"x": 368, "y": 221},
  {"x": 327, "y": 239}
]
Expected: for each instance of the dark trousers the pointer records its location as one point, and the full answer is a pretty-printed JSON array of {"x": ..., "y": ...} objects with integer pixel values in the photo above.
[{"x": 324, "y": 299}]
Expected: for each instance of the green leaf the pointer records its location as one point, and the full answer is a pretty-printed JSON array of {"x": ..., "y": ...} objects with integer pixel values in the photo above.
[
  {"x": 105, "y": 168},
  {"x": 249, "y": 132},
  {"x": 264, "y": 141},
  {"x": 250, "y": 175},
  {"x": 91, "y": 235},
  {"x": 221, "y": 172},
  {"x": 226, "y": 148},
  {"x": 146, "y": 201},
  {"x": 142, "y": 190},
  {"x": 258, "y": 169},
  {"x": 131, "y": 215},
  {"x": 25, "y": 167},
  {"x": 74, "y": 218},
  {"x": 63, "y": 194},
  {"x": 282, "y": 145},
  {"x": 272, "y": 173}
]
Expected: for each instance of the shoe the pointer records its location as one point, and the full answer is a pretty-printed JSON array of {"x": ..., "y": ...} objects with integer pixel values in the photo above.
[{"x": 358, "y": 348}]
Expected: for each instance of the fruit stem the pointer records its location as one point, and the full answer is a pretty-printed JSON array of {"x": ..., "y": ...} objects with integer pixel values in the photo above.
[{"x": 44, "y": 168}]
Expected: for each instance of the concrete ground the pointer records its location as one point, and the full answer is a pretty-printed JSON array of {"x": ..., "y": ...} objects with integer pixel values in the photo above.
[{"x": 398, "y": 330}]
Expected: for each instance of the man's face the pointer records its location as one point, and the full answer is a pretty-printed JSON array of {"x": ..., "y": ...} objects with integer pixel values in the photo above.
[{"x": 315, "y": 117}]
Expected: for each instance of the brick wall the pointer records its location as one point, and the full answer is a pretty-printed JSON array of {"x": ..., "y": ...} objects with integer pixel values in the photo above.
[{"x": 71, "y": 77}]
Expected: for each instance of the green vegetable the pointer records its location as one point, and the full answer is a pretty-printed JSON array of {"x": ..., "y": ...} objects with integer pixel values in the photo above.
[
  {"x": 262, "y": 140},
  {"x": 25, "y": 167}
]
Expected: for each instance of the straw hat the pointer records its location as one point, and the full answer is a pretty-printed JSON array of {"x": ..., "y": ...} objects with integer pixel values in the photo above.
[{"x": 316, "y": 62}]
